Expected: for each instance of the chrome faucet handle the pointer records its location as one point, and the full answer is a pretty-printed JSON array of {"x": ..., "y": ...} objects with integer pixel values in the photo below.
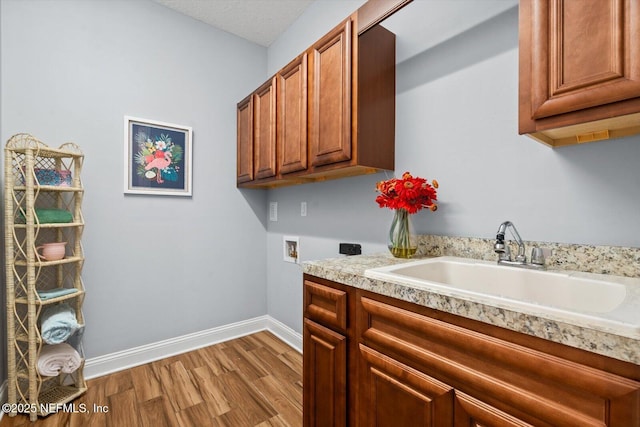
[{"x": 538, "y": 255}]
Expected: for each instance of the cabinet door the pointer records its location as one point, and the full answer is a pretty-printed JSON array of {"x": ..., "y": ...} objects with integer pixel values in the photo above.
[
  {"x": 470, "y": 412},
  {"x": 245, "y": 140},
  {"x": 575, "y": 55},
  {"x": 393, "y": 394},
  {"x": 592, "y": 57},
  {"x": 325, "y": 376},
  {"x": 292, "y": 116},
  {"x": 264, "y": 136},
  {"x": 330, "y": 97}
]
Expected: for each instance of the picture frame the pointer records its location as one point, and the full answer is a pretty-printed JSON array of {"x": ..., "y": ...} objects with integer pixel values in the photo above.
[{"x": 157, "y": 158}]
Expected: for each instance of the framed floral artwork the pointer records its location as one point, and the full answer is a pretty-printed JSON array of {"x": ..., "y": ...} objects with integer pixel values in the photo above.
[{"x": 157, "y": 158}]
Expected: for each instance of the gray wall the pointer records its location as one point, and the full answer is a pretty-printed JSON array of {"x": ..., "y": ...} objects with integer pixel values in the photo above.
[
  {"x": 156, "y": 267},
  {"x": 456, "y": 113}
]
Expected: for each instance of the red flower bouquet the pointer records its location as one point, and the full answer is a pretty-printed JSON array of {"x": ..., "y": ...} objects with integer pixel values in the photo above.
[
  {"x": 406, "y": 196},
  {"x": 409, "y": 193}
]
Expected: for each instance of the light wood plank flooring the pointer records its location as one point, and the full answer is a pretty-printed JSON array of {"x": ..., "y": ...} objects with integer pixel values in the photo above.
[{"x": 255, "y": 380}]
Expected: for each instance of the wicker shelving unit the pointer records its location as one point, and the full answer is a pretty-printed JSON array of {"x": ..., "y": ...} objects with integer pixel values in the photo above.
[{"x": 27, "y": 194}]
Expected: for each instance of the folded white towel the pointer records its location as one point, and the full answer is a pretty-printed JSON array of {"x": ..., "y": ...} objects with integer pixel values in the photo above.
[{"x": 58, "y": 358}]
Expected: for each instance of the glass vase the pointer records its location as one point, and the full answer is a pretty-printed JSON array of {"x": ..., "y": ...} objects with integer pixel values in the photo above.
[{"x": 402, "y": 240}]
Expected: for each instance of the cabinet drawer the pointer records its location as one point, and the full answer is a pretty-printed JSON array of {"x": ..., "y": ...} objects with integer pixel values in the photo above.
[
  {"x": 325, "y": 305},
  {"x": 538, "y": 388}
]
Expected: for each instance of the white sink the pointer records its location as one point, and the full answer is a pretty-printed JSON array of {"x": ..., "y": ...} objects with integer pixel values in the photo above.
[{"x": 585, "y": 299}]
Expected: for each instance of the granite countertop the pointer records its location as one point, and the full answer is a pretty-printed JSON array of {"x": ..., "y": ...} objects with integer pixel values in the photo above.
[{"x": 351, "y": 271}]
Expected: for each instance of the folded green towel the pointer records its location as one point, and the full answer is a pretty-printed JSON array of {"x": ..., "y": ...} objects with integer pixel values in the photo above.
[
  {"x": 54, "y": 293},
  {"x": 52, "y": 215}
]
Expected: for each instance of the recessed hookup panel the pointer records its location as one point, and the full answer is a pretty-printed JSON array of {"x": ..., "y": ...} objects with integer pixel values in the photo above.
[{"x": 291, "y": 248}]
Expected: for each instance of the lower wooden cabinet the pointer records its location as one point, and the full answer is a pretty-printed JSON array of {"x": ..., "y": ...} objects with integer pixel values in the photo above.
[
  {"x": 386, "y": 362},
  {"x": 398, "y": 395},
  {"x": 325, "y": 402},
  {"x": 328, "y": 355},
  {"x": 514, "y": 377}
]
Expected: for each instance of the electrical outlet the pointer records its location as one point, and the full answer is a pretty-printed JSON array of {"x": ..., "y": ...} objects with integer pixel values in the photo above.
[
  {"x": 273, "y": 211},
  {"x": 303, "y": 208}
]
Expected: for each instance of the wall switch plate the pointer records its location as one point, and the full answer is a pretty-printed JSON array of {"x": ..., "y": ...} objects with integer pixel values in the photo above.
[
  {"x": 303, "y": 208},
  {"x": 273, "y": 211},
  {"x": 291, "y": 247}
]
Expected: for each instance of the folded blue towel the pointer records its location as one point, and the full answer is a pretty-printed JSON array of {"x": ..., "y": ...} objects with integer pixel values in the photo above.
[
  {"x": 57, "y": 323},
  {"x": 54, "y": 293}
]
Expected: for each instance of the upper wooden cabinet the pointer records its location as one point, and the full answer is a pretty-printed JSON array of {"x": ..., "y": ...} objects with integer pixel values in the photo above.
[
  {"x": 245, "y": 140},
  {"x": 334, "y": 115},
  {"x": 264, "y": 130},
  {"x": 579, "y": 70},
  {"x": 330, "y": 100},
  {"x": 292, "y": 116}
]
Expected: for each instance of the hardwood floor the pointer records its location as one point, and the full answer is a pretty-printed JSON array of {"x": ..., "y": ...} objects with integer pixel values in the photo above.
[{"x": 255, "y": 380}]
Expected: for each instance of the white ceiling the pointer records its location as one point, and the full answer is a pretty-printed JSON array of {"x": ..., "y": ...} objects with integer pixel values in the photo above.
[{"x": 259, "y": 21}]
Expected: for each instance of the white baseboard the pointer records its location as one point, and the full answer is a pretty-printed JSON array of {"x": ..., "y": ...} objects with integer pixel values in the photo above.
[
  {"x": 285, "y": 333},
  {"x": 109, "y": 363}
]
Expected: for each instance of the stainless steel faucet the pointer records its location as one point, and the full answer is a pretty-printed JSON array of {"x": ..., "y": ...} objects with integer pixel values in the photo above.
[{"x": 504, "y": 253}]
